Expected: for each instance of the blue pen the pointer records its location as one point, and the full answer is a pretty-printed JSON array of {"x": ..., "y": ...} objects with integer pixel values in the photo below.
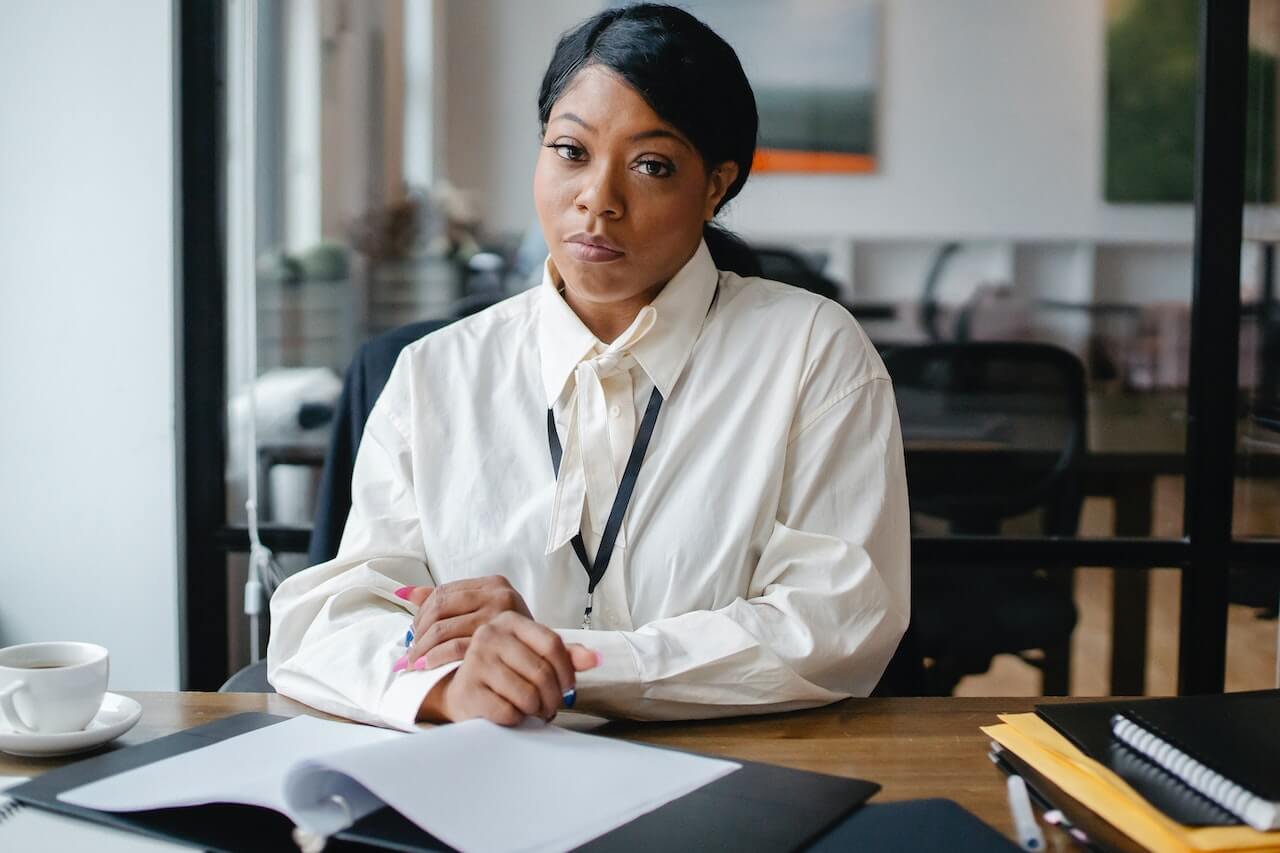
[{"x": 569, "y": 696}]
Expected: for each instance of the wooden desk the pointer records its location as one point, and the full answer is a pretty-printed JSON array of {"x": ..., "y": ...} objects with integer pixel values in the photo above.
[{"x": 914, "y": 748}]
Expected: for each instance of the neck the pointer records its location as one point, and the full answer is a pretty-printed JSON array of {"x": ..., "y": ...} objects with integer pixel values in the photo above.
[{"x": 608, "y": 320}]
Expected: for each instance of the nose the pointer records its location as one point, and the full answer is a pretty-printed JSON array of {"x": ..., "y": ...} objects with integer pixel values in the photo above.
[{"x": 599, "y": 195}]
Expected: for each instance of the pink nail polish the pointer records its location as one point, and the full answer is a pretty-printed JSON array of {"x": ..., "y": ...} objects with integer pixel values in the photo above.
[
  {"x": 403, "y": 592},
  {"x": 400, "y": 664},
  {"x": 421, "y": 664}
]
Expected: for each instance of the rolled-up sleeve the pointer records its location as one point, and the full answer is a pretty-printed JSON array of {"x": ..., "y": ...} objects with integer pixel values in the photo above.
[
  {"x": 338, "y": 628},
  {"x": 829, "y": 597}
]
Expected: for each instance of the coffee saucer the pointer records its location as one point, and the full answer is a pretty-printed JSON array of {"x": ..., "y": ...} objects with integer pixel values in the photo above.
[{"x": 117, "y": 715}]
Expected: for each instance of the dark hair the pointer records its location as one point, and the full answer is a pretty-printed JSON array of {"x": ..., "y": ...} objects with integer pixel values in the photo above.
[{"x": 689, "y": 76}]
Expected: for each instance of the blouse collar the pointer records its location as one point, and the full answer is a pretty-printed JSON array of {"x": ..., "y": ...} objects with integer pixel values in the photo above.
[{"x": 679, "y": 310}]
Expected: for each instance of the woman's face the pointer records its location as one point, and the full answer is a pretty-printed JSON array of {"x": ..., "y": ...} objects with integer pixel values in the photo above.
[{"x": 621, "y": 195}]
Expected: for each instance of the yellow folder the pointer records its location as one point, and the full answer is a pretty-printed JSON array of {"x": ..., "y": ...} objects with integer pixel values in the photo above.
[{"x": 1106, "y": 794}]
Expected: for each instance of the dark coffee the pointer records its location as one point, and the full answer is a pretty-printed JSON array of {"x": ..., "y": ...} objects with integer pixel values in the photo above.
[{"x": 40, "y": 665}]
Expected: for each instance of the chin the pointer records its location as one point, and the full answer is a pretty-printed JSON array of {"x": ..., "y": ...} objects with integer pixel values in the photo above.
[{"x": 599, "y": 282}]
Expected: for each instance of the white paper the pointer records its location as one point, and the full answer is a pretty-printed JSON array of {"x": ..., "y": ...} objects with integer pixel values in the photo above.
[
  {"x": 476, "y": 786},
  {"x": 481, "y": 787},
  {"x": 249, "y": 768}
]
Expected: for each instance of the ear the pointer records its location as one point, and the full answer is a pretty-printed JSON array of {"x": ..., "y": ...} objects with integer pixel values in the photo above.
[{"x": 718, "y": 183}]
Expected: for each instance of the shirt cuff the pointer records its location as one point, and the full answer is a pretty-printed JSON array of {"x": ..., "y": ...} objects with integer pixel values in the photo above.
[
  {"x": 403, "y": 699},
  {"x": 614, "y": 684}
]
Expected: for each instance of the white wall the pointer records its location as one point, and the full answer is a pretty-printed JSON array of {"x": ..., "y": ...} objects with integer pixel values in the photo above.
[
  {"x": 88, "y": 495},
  {"x": 496, "y": 51},
  {"x": 991, "y": 127}
]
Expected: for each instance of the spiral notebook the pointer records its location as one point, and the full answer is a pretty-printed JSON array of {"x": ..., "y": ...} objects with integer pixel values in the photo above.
[
  {"x": 1225, "y": 747},
  {"x": 23, "y": 828},
  {"x": 1202, "y": 760}
]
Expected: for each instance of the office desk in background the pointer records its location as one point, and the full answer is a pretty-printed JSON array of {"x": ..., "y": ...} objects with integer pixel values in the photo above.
[
  {"x": 915, "y": 748},
  {"x": 1133, "y": 438}
]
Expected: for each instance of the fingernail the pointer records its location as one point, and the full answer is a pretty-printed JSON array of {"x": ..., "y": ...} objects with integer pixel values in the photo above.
[
  {"x": 403, "y": 592},
  {"x": 570, "y": 696},
  {"x": 599, "y": 659},
  {"x": 400, "y": 664},
  {"x": 421, "y": 664}
]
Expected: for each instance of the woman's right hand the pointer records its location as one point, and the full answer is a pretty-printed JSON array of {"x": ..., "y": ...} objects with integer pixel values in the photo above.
[{"x": 513, "y": 668}]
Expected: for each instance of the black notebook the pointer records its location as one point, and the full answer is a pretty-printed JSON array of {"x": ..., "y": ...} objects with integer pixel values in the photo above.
[
  {"x": 759, "y": 807},
  {"x": 1202, "y": 760},
  {"x": 1225, "y": 747}
]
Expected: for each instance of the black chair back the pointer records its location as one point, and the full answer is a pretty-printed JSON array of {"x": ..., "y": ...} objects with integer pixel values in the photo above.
[
  {"x": 993, "y": 430},
  {"x": 790, "y": 267},
  {"x": 365, "y": 379}
]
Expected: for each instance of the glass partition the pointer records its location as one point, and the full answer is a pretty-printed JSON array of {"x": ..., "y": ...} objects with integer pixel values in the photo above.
[
  {"x": 1252, "y": 639},
  {"x": 1003, "y": 202}
]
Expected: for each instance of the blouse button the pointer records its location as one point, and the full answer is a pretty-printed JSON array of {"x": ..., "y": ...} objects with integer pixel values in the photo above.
[{"x": 615, "y": 411}]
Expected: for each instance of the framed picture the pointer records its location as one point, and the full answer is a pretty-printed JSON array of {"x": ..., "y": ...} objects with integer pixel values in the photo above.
[{"x": 815, "y": 69}]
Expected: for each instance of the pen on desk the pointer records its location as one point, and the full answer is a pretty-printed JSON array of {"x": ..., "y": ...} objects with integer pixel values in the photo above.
[
  {"x": 569, "y": 696},
  {"x": 1024, "y": 820},
  {"x": 1052, "y": 815}
]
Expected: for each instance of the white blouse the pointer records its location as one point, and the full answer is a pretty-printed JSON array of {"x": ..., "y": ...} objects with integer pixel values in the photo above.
[{"x": 763, "y": 561}]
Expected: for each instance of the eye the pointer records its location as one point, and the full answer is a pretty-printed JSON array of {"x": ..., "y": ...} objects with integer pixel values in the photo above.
[
  {"x": 569, "y": 151},
  {"x": 655, "y": 168}
]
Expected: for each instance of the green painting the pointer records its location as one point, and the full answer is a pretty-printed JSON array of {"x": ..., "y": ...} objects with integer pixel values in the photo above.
[{"x": 1152, "y": 62}]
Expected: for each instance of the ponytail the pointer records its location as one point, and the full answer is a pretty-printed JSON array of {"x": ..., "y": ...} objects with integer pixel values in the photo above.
[{"x": 730, "y": 252}]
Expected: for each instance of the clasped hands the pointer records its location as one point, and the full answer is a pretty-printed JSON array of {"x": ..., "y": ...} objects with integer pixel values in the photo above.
[{"x": 512, "y": 667}]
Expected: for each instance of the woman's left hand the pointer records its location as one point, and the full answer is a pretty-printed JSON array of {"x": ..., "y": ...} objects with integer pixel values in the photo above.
[{"x": 449, "y": 614}]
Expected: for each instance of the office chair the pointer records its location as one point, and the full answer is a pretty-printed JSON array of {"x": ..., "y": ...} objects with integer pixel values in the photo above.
[
  {"x": 993, "y": 431},
  {"x": 790, "y": 267}
]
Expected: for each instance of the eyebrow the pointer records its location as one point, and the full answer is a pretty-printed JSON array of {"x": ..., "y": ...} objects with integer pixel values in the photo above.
[
  {"x": 659, "y": 133},
  {"x": 656, "y": 133}
]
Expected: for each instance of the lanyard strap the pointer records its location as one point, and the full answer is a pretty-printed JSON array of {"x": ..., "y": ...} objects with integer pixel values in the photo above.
[{"x": 595, "y": 571}]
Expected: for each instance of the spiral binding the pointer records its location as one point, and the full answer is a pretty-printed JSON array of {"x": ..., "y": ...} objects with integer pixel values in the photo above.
[
  {"x": 8, "y": 809},
  {"x": 1213, "y": 785}
]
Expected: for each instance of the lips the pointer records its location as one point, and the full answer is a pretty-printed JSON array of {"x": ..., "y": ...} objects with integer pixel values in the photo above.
[{"x": 593, "y": 248}]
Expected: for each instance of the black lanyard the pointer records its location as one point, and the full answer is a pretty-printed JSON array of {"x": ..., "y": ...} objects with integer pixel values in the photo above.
[{"x": 595, "y": 571}]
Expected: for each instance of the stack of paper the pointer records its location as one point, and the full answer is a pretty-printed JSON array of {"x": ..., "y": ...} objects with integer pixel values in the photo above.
[
  {"x": 1110, "y": 797},
  {"x": 474, "y": 785}
]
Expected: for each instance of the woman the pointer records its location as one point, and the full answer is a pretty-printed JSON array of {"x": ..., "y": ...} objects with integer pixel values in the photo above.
[{"x": 651, "y": 483}]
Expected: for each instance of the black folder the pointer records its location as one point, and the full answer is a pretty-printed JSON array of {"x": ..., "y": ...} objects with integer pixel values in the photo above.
[
  {"x": 759, "y": 807},
  {"x": 1102, "y": 835},
  {"x": 910, "y": 826}
]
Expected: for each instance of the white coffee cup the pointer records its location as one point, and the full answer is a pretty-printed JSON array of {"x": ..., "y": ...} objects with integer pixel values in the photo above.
[{"x": 48, "y": 688}]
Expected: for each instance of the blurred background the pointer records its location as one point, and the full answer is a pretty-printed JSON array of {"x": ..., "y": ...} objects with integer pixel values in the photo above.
[{"x": 999, "y": 190}]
